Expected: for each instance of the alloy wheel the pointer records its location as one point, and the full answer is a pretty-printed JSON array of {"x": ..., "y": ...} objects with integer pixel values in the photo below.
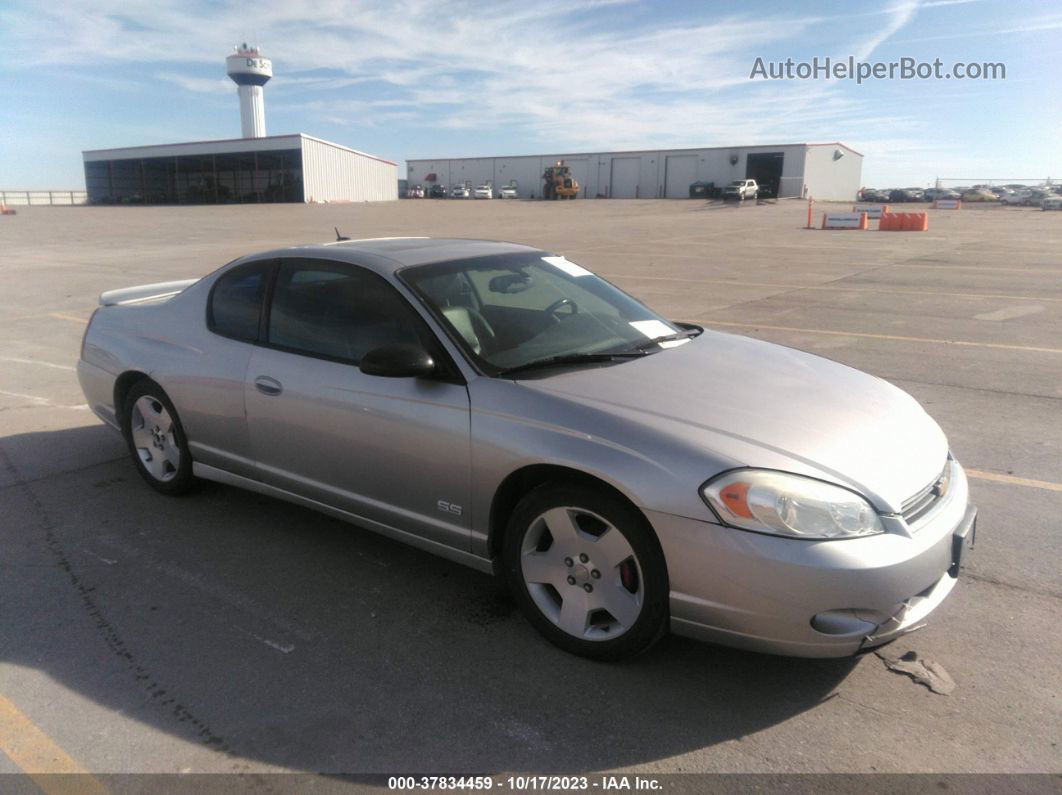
[
  {"x": 154, "y": 439},
  {"x": 582, "y": 573}
]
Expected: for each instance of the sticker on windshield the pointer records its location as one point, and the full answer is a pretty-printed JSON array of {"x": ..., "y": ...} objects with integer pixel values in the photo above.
[
  {"x": 656, "y": 328},
  {"x": 567, "y": 266},
  {"x": 652, "y": 328}
]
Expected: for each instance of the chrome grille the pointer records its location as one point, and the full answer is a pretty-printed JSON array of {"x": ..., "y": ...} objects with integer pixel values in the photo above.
[{"x": 914, "y": 508}]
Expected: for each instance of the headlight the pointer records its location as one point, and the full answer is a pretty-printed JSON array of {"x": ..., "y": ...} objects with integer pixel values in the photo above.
[{"x": 790, "y": 505}]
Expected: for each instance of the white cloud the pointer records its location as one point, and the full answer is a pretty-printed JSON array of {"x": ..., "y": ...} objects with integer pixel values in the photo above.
[
  {"x": 899, "y": 13},
  {"x": 200, "y": 85},
  {"x": 567, "y": 75},
  {"x": 1031, "y": 25}
]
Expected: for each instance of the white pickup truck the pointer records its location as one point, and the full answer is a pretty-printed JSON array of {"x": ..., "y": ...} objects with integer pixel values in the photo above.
[{"x": 741, "y": 189}]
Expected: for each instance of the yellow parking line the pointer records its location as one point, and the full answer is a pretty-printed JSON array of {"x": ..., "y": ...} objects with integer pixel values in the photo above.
[
  {"x": 1016, "y": 481},
  {"x": 964, "y": 343},
  {"x": 37, "y": 755},
  {"x": 832, "y": 287},
  {"x": 63, "y": 316},
  {"x": 974, "y": 268},
  {"x": 638, "y": 242}
]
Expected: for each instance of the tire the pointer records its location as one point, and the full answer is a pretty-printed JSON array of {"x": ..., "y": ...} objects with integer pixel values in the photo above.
[
  {"x": 156, "y": 439},
  {"x": 587, "y": 571}
]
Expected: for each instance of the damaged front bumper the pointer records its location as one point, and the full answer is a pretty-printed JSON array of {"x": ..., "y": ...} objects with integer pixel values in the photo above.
[
  {"x": 813, "y": 598},
  {"x": 912, "y": 613}
]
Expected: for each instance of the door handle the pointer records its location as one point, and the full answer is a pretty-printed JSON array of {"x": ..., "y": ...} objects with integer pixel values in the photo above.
[{"x": 268, "y": 386}]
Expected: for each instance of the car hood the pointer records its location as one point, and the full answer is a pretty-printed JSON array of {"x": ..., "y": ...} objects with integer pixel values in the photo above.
[{"x": 758, "y": 404}]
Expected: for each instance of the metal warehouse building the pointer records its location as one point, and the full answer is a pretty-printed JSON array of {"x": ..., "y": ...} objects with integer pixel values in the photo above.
[
  {"x": 278, "y": 168},
  {"x": 823, "y": 171}
]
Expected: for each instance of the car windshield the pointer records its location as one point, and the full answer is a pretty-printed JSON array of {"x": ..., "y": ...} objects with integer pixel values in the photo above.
[{"x": 509, "y": 310}]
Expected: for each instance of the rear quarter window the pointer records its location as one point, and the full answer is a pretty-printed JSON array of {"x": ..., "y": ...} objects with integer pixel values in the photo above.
[{"x": 235, "y": 305}]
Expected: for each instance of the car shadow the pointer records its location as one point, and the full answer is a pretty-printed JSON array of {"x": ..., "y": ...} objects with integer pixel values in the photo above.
[{"x": 272, "y": 633}]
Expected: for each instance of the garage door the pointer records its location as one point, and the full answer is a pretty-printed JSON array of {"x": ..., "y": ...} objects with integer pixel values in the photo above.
[
  {"x": 681, "y": 171},
  {"x": 624, "y": 183}
]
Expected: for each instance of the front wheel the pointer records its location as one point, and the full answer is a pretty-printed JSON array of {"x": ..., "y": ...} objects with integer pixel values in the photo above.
[
  {"x": 587, "y": 571},
  {"x": 156, "y": 440}
]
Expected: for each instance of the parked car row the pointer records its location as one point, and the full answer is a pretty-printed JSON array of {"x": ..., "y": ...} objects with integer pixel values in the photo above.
[
  {"x": 1005, "y": 194},
  {"x": 1032, "y": 197},
  {"x": 900, "y": 195},
  {"x": 462, "y": 191},
  {"x": 1044, "y": 196}
]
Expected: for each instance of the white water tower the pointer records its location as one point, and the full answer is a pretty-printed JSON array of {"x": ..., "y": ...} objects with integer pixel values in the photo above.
[{"x": 250, "y": 71}]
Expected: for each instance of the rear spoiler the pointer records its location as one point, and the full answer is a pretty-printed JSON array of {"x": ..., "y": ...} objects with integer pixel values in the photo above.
[{"x": 144, "y": 293}]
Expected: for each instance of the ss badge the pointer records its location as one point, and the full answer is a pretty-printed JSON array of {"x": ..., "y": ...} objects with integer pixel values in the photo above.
[{"x": 448, "y": 507}]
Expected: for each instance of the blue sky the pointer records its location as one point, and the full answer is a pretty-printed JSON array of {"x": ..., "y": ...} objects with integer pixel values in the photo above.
[{"x": 411, "y": 78}]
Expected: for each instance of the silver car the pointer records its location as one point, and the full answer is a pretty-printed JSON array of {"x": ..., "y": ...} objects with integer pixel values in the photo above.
[{"x": 505, "y": 408}]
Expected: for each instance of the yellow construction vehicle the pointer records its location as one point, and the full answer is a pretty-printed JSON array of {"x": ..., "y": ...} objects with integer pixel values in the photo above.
[{"x": 557, "y": 182}]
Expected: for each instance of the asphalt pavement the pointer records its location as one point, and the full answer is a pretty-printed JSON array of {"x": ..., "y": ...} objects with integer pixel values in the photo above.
[{"x": 229, "y": 632}]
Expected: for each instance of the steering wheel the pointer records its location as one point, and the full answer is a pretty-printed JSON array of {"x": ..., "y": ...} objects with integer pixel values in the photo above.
[{"x": 551, "y": 310}]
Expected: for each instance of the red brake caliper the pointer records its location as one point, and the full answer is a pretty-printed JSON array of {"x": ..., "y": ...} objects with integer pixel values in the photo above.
[{"x": 629, "y": 575}]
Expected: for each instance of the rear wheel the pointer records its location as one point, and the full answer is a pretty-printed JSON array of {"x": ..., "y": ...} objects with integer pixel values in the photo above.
[
  {"x": 587, "y": 571},
  {"x": 156, "y": 440}
]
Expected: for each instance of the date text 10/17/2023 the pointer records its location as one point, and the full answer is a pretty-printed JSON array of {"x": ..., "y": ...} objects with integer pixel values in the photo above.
[{"x": 525, "y": 783}]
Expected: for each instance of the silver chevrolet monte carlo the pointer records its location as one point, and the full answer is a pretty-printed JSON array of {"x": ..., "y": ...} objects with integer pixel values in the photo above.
[{"x": 505, "y": 408}]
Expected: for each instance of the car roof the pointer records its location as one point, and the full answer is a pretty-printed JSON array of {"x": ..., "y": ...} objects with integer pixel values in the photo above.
[{"x": 389, "y": 254}]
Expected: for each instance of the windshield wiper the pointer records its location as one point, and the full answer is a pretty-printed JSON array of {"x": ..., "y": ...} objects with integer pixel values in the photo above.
[
  {"x": 684, "y": 334},
  {"x": 571, "y": 358}
]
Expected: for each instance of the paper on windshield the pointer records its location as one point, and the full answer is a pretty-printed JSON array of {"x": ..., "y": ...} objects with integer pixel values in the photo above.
[
  {"x": 652, "y": 328},
  {"x": 657, "y": 328},
  {"x": 567, "y": 266}
]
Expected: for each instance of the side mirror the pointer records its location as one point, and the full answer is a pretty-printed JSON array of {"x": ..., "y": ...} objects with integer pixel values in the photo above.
[{"x": 398, "y": 361}]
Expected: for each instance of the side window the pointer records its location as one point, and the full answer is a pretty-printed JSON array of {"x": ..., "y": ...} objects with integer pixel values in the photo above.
[
  {"x": 338, "y": 311},
  {"x": 236, "y": 302}
]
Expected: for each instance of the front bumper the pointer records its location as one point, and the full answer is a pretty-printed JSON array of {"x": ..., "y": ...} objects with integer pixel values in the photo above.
[{"x": 812, "y": 598}]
